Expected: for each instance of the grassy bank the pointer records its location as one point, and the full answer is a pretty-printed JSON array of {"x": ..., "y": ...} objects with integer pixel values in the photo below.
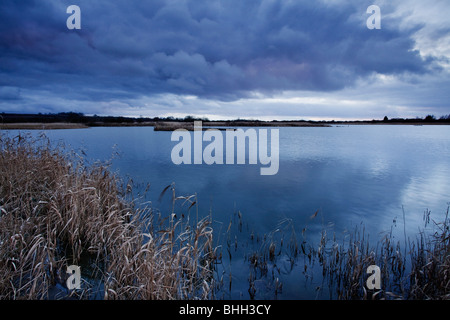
[
  {"x": 42, "y": 126},
  {"x": 56, "y": 211}
]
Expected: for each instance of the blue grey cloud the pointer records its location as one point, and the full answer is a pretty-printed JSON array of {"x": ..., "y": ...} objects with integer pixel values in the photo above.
[{"x": 215, "y": 49}]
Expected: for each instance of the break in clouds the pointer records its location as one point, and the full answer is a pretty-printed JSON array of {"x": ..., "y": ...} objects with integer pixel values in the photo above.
[{"x": 214, "y": 50}]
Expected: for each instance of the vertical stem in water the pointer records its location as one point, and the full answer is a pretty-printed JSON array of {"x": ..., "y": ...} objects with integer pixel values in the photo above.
[{"x": 404, "y": 227}]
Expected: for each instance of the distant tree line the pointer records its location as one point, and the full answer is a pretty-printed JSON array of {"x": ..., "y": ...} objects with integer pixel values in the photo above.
[
  {"x": 76, "y": 117},
  {"x": 428, "y": 118}
]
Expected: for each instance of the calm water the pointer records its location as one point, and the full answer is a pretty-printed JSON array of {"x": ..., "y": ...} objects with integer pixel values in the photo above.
[{"x": 352, "y": 175}]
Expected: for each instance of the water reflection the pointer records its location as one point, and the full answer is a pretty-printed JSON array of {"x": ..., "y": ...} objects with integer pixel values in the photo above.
[{"x": 350, "y": 175}]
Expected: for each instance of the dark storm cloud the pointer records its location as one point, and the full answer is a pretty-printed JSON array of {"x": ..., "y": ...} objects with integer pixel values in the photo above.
[{"x": 214, "y": 49}]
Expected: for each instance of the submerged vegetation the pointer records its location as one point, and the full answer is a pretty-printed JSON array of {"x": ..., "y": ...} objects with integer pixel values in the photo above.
[{"x": 56, "y": 210}]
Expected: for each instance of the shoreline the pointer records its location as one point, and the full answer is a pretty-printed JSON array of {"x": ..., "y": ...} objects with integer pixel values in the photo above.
[
  {"x": 173, "y": 125},
  {"x": 42, "y": 126}
]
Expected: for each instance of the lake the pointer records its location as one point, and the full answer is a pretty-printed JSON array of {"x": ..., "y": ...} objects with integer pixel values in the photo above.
[{"x": 347, "y": 176}]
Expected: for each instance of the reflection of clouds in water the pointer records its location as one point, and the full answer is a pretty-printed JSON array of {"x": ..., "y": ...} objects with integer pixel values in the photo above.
[
  {"x": 352, "y": 175},
  {"x": 425, "y": 190},
  {"x": 378, "y": 167},
  {"x": 429, "y": 189}
]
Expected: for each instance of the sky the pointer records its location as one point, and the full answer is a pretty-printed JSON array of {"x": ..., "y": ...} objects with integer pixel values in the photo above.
[{"x": 226, "y": 59}]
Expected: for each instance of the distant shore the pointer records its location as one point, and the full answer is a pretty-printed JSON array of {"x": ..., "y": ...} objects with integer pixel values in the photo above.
[
  {"x": 158, "y": 126},
  {"x": 173, "y": 125},
  {"x": 42, "y": 126},
  {"x": 71, "y": 120}
]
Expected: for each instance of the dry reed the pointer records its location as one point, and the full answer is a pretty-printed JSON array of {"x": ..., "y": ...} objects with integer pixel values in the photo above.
[
  {"x": 56, "y": 211},
  {"x": 410, "y": 269}
]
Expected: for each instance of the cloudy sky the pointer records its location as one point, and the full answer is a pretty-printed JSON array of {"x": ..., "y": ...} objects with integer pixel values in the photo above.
[{"x": 226, "y": 59}]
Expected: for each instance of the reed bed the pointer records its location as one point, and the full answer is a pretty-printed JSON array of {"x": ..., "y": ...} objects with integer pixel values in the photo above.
[
  {"x": 411, "y": 269},
  {"x": 56, "y": 211}
]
